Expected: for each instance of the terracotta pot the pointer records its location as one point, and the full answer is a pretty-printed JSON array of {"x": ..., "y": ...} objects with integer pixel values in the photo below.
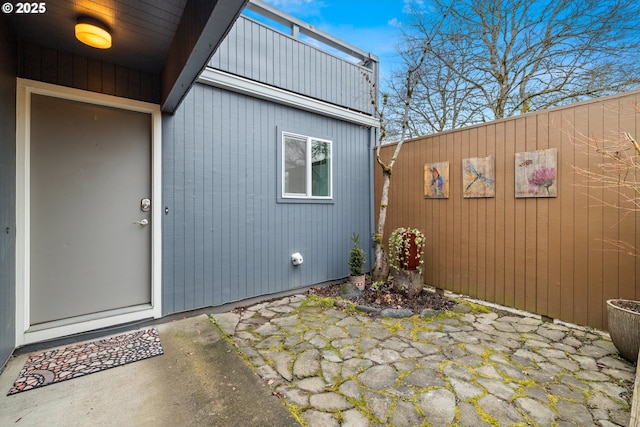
[
  {"x": 358, "y": 281},
  {"x": 409, "y": 261},
  {"x": 624, "y": 328}
]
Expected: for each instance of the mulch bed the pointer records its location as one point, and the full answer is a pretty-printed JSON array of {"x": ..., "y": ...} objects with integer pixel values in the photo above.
[{"x": 386, "y": 296}]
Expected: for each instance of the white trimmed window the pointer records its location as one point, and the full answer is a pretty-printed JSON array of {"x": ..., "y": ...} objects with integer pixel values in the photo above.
[{"x": 306, "y": 167}]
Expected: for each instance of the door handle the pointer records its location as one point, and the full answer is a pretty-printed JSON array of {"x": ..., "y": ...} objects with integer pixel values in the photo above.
[{"x": 142, "y": 223}]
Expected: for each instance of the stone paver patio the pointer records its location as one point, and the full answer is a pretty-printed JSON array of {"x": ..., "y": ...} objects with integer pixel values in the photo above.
[{"x": 342, "y": 368}]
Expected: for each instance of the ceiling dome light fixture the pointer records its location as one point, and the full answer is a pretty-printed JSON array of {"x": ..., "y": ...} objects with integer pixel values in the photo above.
[{"x": 93, "y": 34}]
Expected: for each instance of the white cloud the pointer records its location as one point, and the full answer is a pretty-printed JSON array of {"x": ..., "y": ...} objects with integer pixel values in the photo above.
[
  {"x": 394, "y": 22},
  {"x": 411, "y": 6}
]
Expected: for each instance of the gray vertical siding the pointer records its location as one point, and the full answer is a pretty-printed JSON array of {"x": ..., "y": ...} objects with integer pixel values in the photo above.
[
  {"x": 7, "y": 193},
  {"x": 259, "y": 53},
  {"x": 225, "y": 237},
  {"x": 60, "y": 68}
]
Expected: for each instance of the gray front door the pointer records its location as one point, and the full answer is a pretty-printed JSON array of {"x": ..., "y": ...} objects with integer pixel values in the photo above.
[{"x": 90, "y": 167}]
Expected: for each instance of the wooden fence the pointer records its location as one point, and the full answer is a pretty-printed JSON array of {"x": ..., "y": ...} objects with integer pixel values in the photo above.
[{"x": 552, "y": 256}]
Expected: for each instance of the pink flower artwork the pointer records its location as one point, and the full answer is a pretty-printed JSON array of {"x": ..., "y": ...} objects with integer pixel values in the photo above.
[
  {"x": 536, "y": 173},
  {"x": 543, "y": 178}
]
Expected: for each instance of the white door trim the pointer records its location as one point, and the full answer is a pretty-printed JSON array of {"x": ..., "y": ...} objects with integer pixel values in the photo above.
[{"x": 25, "y": 334}]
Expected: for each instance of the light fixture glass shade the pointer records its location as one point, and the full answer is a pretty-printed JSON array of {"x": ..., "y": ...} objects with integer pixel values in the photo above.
[{"x": 93, "y": 36}]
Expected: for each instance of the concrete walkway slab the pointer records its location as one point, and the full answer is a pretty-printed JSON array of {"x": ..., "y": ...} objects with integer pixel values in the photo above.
[{"x": 199, "y": 381}]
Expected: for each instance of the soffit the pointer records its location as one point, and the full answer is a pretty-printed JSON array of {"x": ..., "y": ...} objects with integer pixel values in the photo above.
[{"x": 142, "y": 31}]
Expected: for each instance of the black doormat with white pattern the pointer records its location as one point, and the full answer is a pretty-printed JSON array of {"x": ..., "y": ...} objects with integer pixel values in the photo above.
[{"x": 77, "y": 360}]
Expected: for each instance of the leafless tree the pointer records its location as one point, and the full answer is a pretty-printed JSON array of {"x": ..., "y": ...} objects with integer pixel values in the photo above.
[
  {"x": 498, "y": 58},
  {"x": 409, "y": 82},
  {"x": 437, "y": 102}
]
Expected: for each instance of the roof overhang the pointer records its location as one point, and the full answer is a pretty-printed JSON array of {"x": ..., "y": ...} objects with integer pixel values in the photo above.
[
  {"x": 169, "y": 39},
  {"x": 203, "y": 26}
]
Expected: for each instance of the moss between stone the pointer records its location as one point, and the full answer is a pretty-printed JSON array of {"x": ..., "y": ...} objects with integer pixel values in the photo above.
[
  {"x": 316, "y": 301},
  {"x": 295, "y": 410},
  {"x": 392, "y": 326},
  {"x": 363, "y": 408},
  {"x": 418, "y": 326},
  {"x": 483, "y": 415},
  {"x": 475, "y": 308}
]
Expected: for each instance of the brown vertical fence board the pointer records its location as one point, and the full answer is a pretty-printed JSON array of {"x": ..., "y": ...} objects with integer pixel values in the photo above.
[
  {"x": 541, "y": 285},
  {"x": 465, "y": 244},
  {"x": 567, "y": 206},
  {"x": 520, "y": 227},
  {"x": 632, "y": 285},
  {"x": 611, "y": 219},
  {"x": 451, "y": 274},
  {"x": 490, "y": 226},
  {"x": 502, "y": 193},
  {"x": 530, "y": 255},
  {"x": 431, "y": 221},
  {"x": 581, "y": 227},
  {"x": 404, "y": 168},
  {"x": 439, "y": 207},
  {"x": 554, "y": 240},
  {"x": 531, "y": 244},
  {"x": 428, "y": 219},
  {"x": 631, "y": 289},
  {"x": 626, "y": 223},
  {"x": 482, "y": 218},
  {"x": 471, "y": 207},
  {"x": 399, "y": 185},
  {"x": 422, "y": 217},
  {"x": 487, "y": 221},
  {"x": 459, "y": 278},
  {"x": 509, "y": 222},
  {"x": 595, "y": 228}
]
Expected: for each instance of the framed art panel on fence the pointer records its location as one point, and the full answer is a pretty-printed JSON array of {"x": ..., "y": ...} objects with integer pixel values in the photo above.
[
  {"x": 436, "y": 180},
  {"x": 479, "y": 177},
  {"x": 536, "y": 173}
]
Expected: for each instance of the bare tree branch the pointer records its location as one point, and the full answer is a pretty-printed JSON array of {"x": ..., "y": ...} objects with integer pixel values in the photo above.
[
  {"x": 616, "y": 169},
  {"x": 381, "y": 267},
  {"x": 497, "y": 58}
]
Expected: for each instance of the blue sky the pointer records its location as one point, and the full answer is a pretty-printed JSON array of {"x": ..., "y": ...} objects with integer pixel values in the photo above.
[{"x": 371, "y": 25}]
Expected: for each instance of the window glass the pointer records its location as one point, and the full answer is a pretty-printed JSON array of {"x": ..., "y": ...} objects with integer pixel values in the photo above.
[
  {"x": 295, "y": 169},
  {"x": 306, "y": 164},
  {"x": 320, "y": 168}
]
